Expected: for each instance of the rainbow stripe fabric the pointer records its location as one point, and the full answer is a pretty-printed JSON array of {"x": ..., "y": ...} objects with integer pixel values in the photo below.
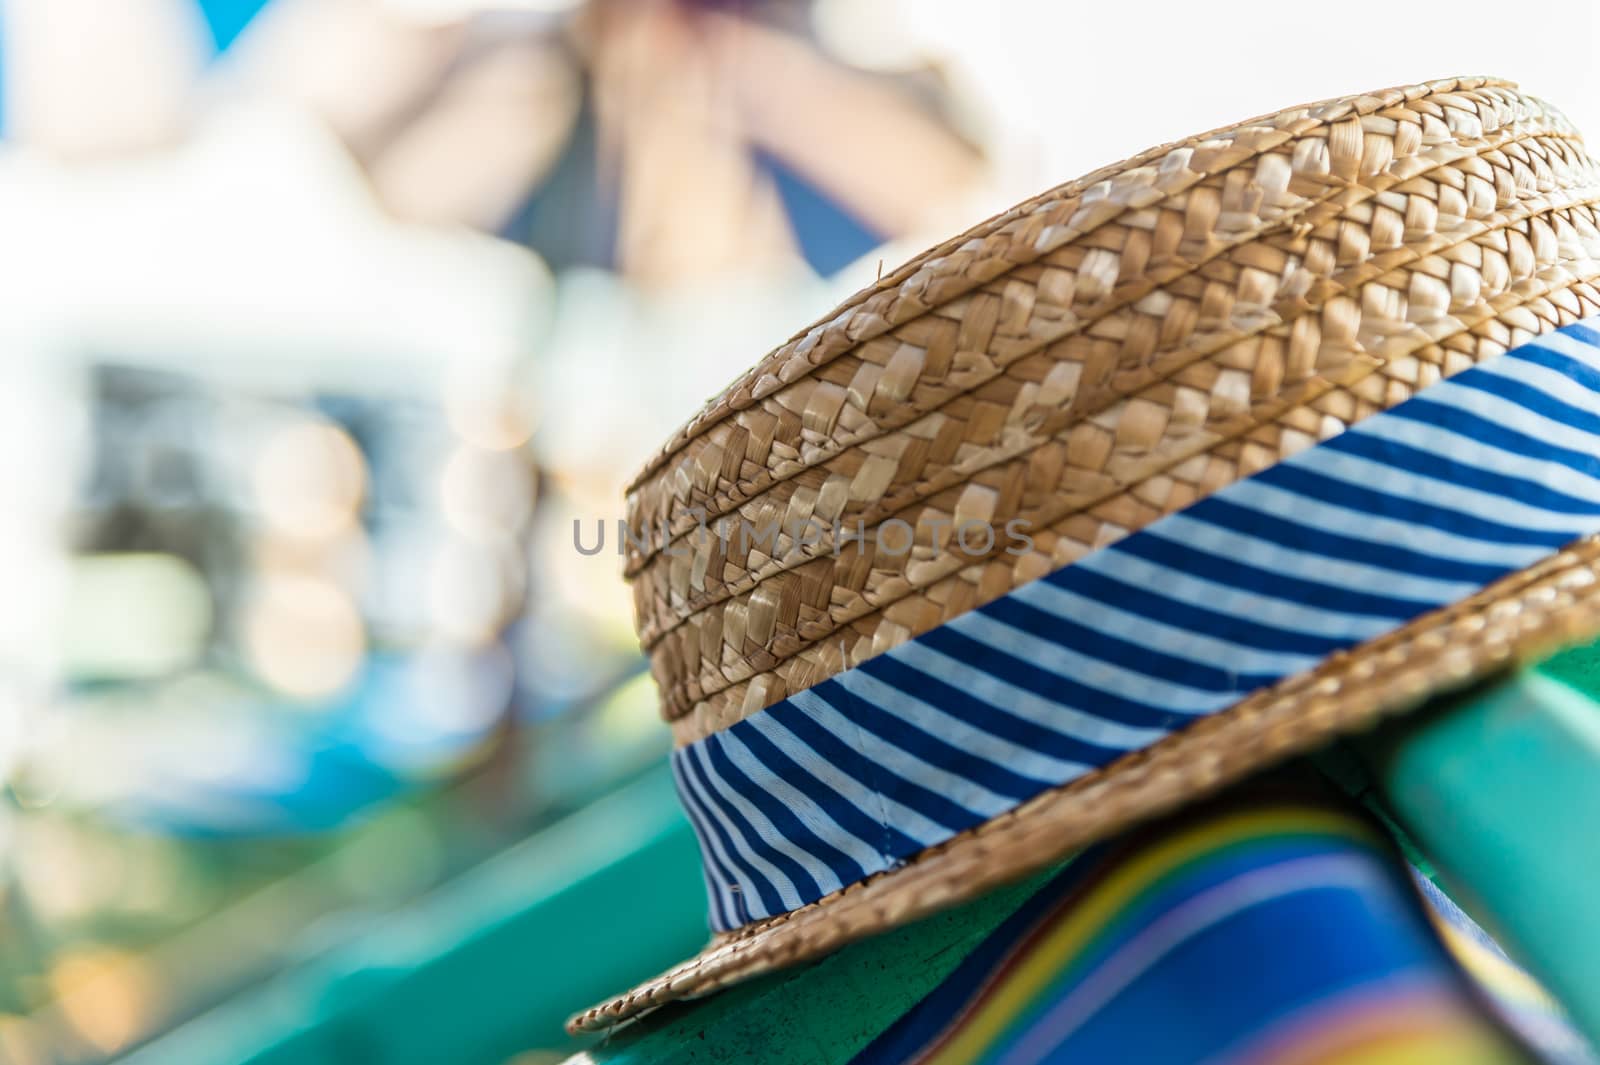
[
  {"x": 1407, "y": 510},
  {"x": 1281, "y": 932}
]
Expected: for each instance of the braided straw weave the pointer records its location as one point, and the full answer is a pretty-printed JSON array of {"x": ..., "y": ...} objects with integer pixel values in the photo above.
[
  {"x": 1296, "y": 185},
  {"x": 1086, "y": 363},
  {"x": 1066, "y": 526},
  {"x": 1107, "y": 375}
]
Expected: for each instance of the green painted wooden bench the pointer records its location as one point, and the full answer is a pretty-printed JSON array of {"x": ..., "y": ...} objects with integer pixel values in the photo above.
[{"x": 1498, "y": 787}]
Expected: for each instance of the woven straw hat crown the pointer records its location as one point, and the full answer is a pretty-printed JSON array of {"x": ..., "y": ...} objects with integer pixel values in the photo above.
[{"x": 1090, "y": 360}]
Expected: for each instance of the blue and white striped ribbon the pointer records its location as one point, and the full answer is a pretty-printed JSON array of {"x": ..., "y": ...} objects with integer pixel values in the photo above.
[{"x": 1409, "y": 510}]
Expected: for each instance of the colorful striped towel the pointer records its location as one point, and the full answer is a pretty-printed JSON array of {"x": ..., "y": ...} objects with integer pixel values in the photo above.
[{"x": 1254, "y": 931}]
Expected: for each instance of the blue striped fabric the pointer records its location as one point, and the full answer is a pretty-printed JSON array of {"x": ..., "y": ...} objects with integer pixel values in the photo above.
[
  {"x": 1408, "y": 510},
  {"x": 1275, "y": 926}
]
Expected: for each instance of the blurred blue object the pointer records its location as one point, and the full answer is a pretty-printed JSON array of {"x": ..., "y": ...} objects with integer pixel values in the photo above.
[
  {"x": 315, "y": 767},
  {"x": 226, "y": 19},
  {"x": 829, "y": 236}
]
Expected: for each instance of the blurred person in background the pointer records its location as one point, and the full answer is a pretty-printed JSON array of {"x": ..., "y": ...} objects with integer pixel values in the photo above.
[{"x": 290, "y": 288}]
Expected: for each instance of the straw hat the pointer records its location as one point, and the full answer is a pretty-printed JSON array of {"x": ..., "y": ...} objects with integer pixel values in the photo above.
[{"x": 1153, "y": 480}]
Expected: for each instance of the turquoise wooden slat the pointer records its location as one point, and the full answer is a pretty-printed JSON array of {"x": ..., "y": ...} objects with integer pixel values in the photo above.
[
  {"x": 491, "y": 964},
  {"x": 1500, "y": 788}
]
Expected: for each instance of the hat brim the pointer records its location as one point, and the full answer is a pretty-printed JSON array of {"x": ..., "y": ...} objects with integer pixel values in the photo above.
[{"x": 1518, "y": 618}]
